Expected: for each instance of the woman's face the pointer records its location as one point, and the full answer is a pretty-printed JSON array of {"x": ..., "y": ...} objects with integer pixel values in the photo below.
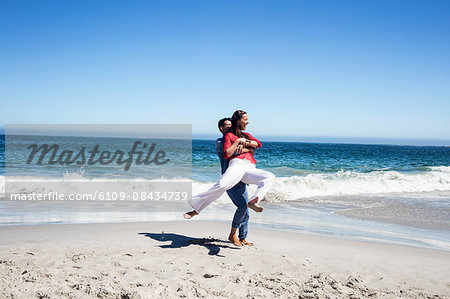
[{"x": 244, "y": 122}]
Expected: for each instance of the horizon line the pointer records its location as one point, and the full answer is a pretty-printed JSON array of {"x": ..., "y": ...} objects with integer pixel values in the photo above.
[
  {"x": 326, "y": 139},
  {"x": 344, "y": 140}
]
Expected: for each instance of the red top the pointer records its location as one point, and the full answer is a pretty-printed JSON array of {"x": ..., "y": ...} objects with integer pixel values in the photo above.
[{"x": 229, "y": 139}]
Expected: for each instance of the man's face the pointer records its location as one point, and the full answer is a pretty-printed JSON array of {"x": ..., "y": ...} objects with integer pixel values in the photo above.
[{"x": 226, "y": 127}]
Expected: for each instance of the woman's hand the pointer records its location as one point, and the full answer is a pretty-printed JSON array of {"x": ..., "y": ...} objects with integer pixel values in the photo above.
[
  {"x": 234, "y": 146},
  {"x": 241, "y": 145},
  {"x": 241, "y": 141},
  {"x": 250, "y": 143}
]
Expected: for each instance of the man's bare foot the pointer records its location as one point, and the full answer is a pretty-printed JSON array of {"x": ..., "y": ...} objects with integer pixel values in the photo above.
[
  {"x": 190, "y": 214},
  {"x": 245, "y": 242},
  {"x": 255, "y": 207},
  {"x": 235, "y": 240}
]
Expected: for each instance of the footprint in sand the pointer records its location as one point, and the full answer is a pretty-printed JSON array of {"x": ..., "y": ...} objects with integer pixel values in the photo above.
[
  {"x": 79, "y": 257},
  {"x": 6, "y": 263}
]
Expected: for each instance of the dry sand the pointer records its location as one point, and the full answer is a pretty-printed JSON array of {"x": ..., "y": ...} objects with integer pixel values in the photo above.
[{"x": 192, "y": 259}]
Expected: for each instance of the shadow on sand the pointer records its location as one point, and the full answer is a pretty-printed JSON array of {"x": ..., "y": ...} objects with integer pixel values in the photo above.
[{"x": 179, "y": 241}]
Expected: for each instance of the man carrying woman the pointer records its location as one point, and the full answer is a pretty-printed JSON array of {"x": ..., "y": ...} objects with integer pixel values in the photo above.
[{"x": 237, "y": 151}]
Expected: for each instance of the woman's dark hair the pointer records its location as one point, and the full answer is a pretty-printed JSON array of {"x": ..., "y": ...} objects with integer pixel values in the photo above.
[{"x": 236, "y": 124}]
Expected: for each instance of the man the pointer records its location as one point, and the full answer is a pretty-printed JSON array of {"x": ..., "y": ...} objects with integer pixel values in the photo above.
[{"x": 238, "y": 193}]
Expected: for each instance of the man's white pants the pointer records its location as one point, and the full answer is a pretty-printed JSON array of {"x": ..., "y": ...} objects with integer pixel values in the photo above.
[{"x": 238, "y": 170}]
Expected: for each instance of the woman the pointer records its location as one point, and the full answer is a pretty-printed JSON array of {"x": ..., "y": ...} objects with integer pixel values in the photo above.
[{"x": 241, "y": 168}]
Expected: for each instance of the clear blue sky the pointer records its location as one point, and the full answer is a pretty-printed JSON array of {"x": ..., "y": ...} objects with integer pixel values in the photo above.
[{"x": 354, "y": 69}]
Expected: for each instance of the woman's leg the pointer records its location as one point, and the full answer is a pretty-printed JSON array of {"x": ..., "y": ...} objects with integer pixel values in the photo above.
[
  {"x": 231, "y": 177},
  {"x": 263, "y": 179}
]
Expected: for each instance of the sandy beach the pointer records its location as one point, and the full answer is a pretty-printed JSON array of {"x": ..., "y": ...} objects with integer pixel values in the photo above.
[
  {"x": 193, "y": 260},
  {"x": 120, "y": 119}
]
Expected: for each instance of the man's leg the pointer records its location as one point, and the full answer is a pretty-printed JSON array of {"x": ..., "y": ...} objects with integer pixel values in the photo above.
[
  {"x": 239, "y": 197},
  {"x": 232, "y": 237},
  {"x": 243, "y": 230}
]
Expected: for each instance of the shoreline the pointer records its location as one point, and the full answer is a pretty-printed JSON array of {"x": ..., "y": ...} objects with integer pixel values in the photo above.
[
  {"x": 320, "y": 218},
  {"x": 193, "y": 259}
]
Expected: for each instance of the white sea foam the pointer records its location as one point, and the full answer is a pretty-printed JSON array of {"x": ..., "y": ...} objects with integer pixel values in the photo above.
[
  {"x": 354, "y": 183},
  {"x": 345, "y": 183},
  {"x": 78, "y": 184},
  {"x": 284, "y": 188}
]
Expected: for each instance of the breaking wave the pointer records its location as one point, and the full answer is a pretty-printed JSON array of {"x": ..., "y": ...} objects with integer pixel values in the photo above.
[{"x": 433, "y": 179}]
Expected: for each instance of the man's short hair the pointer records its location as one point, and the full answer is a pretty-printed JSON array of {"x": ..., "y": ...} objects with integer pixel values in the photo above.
[{"x": 221, "y": 122}]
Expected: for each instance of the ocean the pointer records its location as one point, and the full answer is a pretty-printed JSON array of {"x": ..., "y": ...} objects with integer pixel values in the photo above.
[{"x": 382, "y": 193}]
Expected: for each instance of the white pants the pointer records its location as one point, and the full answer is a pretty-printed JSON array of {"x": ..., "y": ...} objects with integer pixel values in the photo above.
[{"x": 238, "y": 170}]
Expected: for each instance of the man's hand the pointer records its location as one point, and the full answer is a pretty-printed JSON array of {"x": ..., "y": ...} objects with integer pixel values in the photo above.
[
  {"x": 239, "y": 149},
  {"x": 248, "y": 150}
]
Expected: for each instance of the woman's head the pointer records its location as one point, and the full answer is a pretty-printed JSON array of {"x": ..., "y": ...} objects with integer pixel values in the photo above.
[{"x": 239, "y": 122}]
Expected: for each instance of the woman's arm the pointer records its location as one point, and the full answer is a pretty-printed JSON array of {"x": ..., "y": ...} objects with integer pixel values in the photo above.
[
  {"x": 253, "y": 142},
  {"x": 233, "y": 147},
  {"x": 229, "y": 148}
]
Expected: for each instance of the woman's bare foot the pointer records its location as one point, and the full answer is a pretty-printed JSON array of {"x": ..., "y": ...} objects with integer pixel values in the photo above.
[
  {"x": 245, "y": 242},
  {"x": 235, "y": 240},
  {"x": 253, "y": 204},
  {"x": 254, "y": 200},
  {"x": 255, "y": 207},
  {"x": 190, "y": 214}
]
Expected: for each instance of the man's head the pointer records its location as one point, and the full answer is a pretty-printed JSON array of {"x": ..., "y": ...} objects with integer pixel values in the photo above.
[{"x": 224, "y": 125}]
